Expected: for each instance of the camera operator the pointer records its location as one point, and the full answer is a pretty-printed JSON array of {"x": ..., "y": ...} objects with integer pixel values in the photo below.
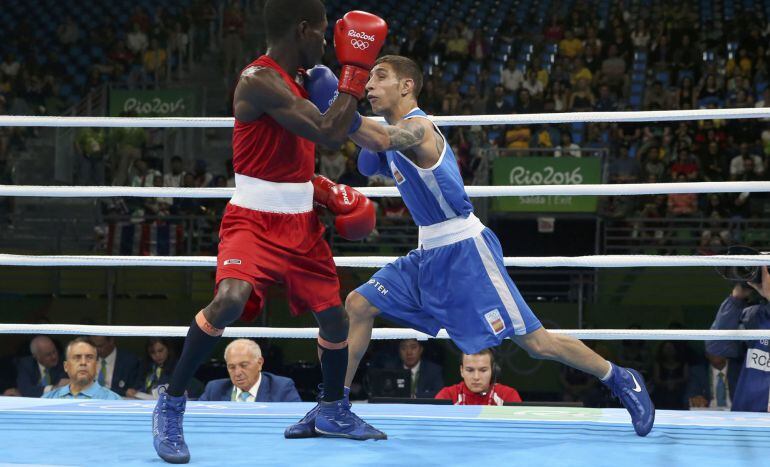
[{"x": 751, "y": 392}]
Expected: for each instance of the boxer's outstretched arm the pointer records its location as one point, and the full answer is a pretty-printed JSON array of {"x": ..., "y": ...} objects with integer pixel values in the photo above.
[
  {"x": 404, "y": 135},
  {"x": 262, "y": 91}
]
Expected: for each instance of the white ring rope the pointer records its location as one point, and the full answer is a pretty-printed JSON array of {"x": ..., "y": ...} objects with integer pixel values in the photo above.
[
  {"x": 594, "y": 261},
  {"x": 379, "y": 333},
  {"x": 452, "y": 120},
  {"x": 473, "y": 191}
]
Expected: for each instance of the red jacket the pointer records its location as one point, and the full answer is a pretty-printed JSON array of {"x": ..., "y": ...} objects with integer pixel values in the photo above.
[{"x": 459, "y": 394}]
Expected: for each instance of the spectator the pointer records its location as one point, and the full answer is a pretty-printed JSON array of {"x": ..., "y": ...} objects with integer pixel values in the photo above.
[
  {"x": 247, "y": 382},
  {"x": 682, "y": 204},
  {"x": 479, "y": 385},
  {"x": 68, "y": 31},
  {"x": 332, "y": 163},
  {"x": 136, "y": 40},
  {"x": 456, "y": 46},
  {"x": 709, "y": 91},
  {"x": 512, "y": 76},
  {"x": 656, "y": 98},
  {"x": 451, "y": 102},
  {"x": 41, "y": 372},
  {"x": 91, "y": 150},
  {"x": 570, "y": 47},
  {"x": 686, "y": 164},
  {"x": 232, "y": 37},
  {"x": 145, "y": 176},
  {"x": 556, "y": 97},
  {"x": 567, "y": 148},
  {"x": 624, "y": 169},
  {"x": 750, "y": 394},
  {"x": 175, "y": 178},
  {"x": 533, "y": 85},
  {"x": 685, "y": 95},
  {"x": 118, "y": 369},
  {"x": 497, "y": 104},
  {"x": 427, "y": 377},
  {"x": 477, "y": 48},
  {"x": 202, "y": 176},
  {"x": 640, "y": 36},
  {"x": 156, "y": 369},
  {"x": 10, "y": 66},
  {"x": 613, "y": 70},
  {"x": 525, "y": 104},
  {"x": 712, "y": 163},
  {"x": 351, "y": 176},
  {"x": 671, "y": 373},
  {"x": 606, "y": 102},
  {"x": 744, "y": 163},
  {"x": 582, "y": 99},
  {"x": 154, "y": 62},
  {"x": 80, "y": 365},
  {"x": 712, "y": 383},
  {"x": 474, "y": 101}
]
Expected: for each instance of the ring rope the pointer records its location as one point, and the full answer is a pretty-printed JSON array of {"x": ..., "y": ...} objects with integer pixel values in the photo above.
[
  {"x": 379, "y": 333},
  {"x": 593, "y": 261},
  {"x": 473, "y": 191},
  {"x": 452, "y": 120}
]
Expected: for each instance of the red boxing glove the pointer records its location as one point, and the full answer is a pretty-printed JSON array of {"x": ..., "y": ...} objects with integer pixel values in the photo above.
[
  {"x": 358, "y": 38},
  {"x": 359, "y": 223},
  {"x": 356, "y": 216}
]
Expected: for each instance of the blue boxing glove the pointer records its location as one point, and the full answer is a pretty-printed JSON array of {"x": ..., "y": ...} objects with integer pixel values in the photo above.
[
  {"x": 372, "y": 163},
  {"x": 321, "y": 85}
]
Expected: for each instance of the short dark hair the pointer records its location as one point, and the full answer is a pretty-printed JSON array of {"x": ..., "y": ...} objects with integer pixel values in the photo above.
[
  {"x": 280, "y": 16},
  {"x": 483, "y": 352},
  {"x": 404, "y": 68}
]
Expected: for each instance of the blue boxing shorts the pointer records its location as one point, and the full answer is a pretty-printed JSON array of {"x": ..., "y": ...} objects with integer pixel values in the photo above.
[{"x": 456, "y": 280}]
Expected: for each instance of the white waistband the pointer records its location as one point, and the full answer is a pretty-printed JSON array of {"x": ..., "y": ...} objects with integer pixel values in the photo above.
[
  {"x": 261, "y": 195},
  {"x": 448, "y": 232}
]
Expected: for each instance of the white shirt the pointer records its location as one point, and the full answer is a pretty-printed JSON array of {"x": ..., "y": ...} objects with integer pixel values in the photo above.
[
  {"x": 252, "y": 392},
  {"x": 512, "y": 79},
  {"x": 714, "y": 379},
  {"x": 110, "y": 361},
  {"x": 736, "y": 165}
]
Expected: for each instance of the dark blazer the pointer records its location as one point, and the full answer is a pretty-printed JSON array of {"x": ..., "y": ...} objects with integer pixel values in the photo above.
[
  {"x": 126, "y": 374},
  {"x": 700, "y": 379},
  {"x": 273, "y": 388},
  {"x": 28, "y": 376},
  {"x": 430, "y": 380}
]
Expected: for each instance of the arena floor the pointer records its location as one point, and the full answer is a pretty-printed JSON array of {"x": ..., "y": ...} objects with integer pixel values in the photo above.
[{"x": 42, "y": 432}]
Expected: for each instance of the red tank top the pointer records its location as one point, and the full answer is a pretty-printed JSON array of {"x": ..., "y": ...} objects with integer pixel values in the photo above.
[{"x": 264, "y": 149}]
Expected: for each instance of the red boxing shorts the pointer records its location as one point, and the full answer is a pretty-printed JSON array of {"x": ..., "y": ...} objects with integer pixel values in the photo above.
[{"x": 264, "y": 248}]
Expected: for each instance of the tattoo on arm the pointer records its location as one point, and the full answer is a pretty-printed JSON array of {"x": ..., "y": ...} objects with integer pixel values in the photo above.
[{"x": 406, "y": 136}]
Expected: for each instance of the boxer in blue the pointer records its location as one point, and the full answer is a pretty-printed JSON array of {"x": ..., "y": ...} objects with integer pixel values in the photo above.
[{"x": 455, "y": 279}]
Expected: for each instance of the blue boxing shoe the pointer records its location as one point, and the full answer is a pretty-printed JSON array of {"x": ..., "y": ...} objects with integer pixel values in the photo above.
[
  {"x": 628, "y": 385},
  {"x": 305, "y": 428},
  {"x": 336, "y": 420},
  {"x": 167, "y": 433}
]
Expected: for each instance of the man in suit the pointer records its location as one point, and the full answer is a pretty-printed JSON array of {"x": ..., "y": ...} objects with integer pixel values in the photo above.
[
  {"x": 427, "y": 377},
  {"x": 712, "y": 384},
  {"x": 118, "y": 370},
  {"x": 43, "y": 371},
  {"x": 247, "y": 382}
]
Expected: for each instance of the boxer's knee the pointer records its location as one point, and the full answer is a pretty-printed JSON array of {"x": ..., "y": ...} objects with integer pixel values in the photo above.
[
  {"x": 333, "y": 324},
  {"x": 228, "y": 304},
  {"x": 359, "y": 308}
]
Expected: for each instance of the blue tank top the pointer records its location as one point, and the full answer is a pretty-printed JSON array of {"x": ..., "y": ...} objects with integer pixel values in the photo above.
[{"x": 432, "y": 195}]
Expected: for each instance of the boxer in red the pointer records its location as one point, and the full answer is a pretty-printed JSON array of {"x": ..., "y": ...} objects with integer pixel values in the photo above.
[{"x": 270, "y": 232}]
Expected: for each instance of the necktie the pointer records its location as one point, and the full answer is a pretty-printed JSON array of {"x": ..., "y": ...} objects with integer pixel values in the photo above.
[
  {"x": 243, "y": 396},
  {"x": 45, "y": 380},
  {"x": 413, "y": 389},
  {"x": 721, "y": 390},
  {"x": 103, "y": 373}
]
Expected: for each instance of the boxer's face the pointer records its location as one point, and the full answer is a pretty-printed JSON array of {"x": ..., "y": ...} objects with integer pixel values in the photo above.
[
  {"x": 312, "y": 42},
  {"x": 383, "y": 89}
]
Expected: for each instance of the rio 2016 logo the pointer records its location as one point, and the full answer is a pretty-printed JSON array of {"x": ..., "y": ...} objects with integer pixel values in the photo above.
[{"x": 545, "y": 176}]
